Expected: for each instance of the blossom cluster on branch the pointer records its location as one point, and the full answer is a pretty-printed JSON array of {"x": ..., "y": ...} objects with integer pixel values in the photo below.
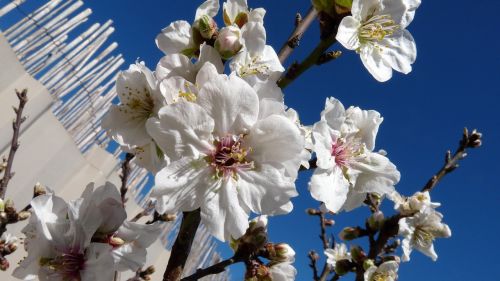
[{"x": 211, "y": 124}]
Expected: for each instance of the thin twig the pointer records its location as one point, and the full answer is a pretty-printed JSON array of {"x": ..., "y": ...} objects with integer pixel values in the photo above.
[
  {"x": 313, "y": 257},
  {"x": 182, "y": 245},
  {"x": 16, "y": 126},
  {"x": 471, "y": 140},
  {"x": 301, "y": 25},
  {"x": 124, "y": 176},
  {"x": 214, "y": 269}
]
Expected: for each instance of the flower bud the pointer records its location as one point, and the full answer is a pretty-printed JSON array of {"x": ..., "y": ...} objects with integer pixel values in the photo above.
[
  {"x": 329, "y": 222},
  {"x": 367, "y": 264},
  {"x": 4, "y": 264},
  {"x": 206, "y": 26},
  {"x": 312, "y": 212},
  {"x": 343, "y": 267},
  {"x": 376, "y": 220},
  {"x": 282, "y": 252},
  {"x": 343, "y": 6},
  {"x": 150, "y": 270},
  {"x": 39, "y": 189},
  {"x": 357, "y": 253},
  {"x": 228, "y": 42},
  {"x": 9, "y": 205},
  {"x": 349, "y": 233},
  {"x": 23, "y": 215}
]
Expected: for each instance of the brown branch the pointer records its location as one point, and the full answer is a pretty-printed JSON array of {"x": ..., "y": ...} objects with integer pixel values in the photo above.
[
  {"x": 471, "y": 140},
  {"x": 301, "y": 25},
  {"x": 16, "y": 126},
  {"x": 182, "y": 246},
  {"x": 214, "y": 269},
  {"x": 313, "y": 257},
  {"x": 124, "y": 176}
]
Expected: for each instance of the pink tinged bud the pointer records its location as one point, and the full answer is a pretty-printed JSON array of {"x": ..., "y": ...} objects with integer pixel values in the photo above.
[{"x": 228, "y": 42}]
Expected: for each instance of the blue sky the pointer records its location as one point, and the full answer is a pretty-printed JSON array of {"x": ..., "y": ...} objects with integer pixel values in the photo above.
[{"x": 454, "y": 84}]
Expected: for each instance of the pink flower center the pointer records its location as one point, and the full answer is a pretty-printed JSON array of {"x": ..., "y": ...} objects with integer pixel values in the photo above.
[
  {"x": 229, "y": 157},
  {"x": 344, "y": 151}
]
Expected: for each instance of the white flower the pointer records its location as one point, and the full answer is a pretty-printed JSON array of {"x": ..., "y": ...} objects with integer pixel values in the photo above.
[
  {"x": 376, "y": 30},
  {"x": 177, "y": 38},
  {"x": 136, "y": 238},
  {"x": 306, "y": 132},
  {"x": 256, "y": 61},
  {"x": 348, "y": 168},
  {"x": 230, "y": 163},
  {"x": 140, "y": 98},
  {"x": 236, "y": 12},
  {"x": 58, "y": 241},
  {"x": 415, "y": 203},
  {"x": 388, "y": 271},
  {"x": 420, "y": 231},
  {"x": 338, "y": 253},
  {"x": 283, "y": 253}
]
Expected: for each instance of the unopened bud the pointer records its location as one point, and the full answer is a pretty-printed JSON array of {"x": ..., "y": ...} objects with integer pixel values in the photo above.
[
  {"x": 12, "y": 247},
  {"x": 376, "y": 220},
  {"x": 23, "y": 215},
  {"x": 312, "y": 212},
  {"x": 116, "y": 241},
  {"x": 367, "y": 264},
  {"x": 150, "y": 270},
  {"x": 313, "y": 256},
  {"x": 4, "y": 264},
  {"x": 9, "y": 205},
  {"x": 349, "y": 233},
  {"x": 475, "y": 139},
  {"x": 206, "y": 26},
  {"x": 228, "y": 42},
  {"x": 329, "y": 222},
  {"x": 357, "y": 253},
  {"x": 343, "y": 6},
  {"x": 343, "y": 267},
  {"x": 283, "y": 253},
  {"x": 39, "y": 189}
]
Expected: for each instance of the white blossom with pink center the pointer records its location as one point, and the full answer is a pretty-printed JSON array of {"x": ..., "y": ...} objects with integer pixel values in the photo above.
[
  {"x": 348, "y": 169},
  {"x": 225, "y": 159}
]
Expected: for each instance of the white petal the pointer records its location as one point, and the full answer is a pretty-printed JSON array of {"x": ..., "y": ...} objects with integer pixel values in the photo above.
[
  {"x": 378, "y": 175},
  {"x": 209, "y": 54},
  {"x": 322, "y": 137},
  {"x": 207, "y": 73},
  {"x": 176, "y": 65},
  {"x": 401, "y": 11},
  {"x": 231, "y": 102},
  {"x": 254, "y": 36},
  {"x": 362, "y": 8},
  {"x": 400, "y": 51},
  {"x": 363, "y": 124},
  {"x": 334, "y": 113},
  {"x": 277, "y": 141},
  {"x": 222, "y": 213},
  {"x": 108, "y": 200},
  {"x": 347, "y": 34},
  {"x": 183, "y": 129},
  {"x": 181, "y": 186},
  {"x": 329, "y": 187},
  {"x": 257, "y": 15},
  {"x": 232, "y": 8},
  {"x": 209, "y": 8},
  {"x": 283, "y": 271},
  {"x": 99, "y": 264},
  {"x": 375, "y": 64},
  {"x": 174, "y": 38},
  {"x": 265, "y": 190}
]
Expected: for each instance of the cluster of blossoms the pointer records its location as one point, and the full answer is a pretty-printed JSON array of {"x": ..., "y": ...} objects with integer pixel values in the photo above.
[{"x": 84, "y": 239}]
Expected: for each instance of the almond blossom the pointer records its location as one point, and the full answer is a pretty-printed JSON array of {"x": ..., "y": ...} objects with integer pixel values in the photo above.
[
  {"x": 348, "y": 169},
  {"x": 338, "y": 253},
  {"x": 140, "y": 98},
  {"x": 420, "y": 230},
  {"x": 236, "y": 12},
  {"x": 376, "y": 30},
  {"x": 228, "y": 161},
  {"x": 388, "y": 271}
]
